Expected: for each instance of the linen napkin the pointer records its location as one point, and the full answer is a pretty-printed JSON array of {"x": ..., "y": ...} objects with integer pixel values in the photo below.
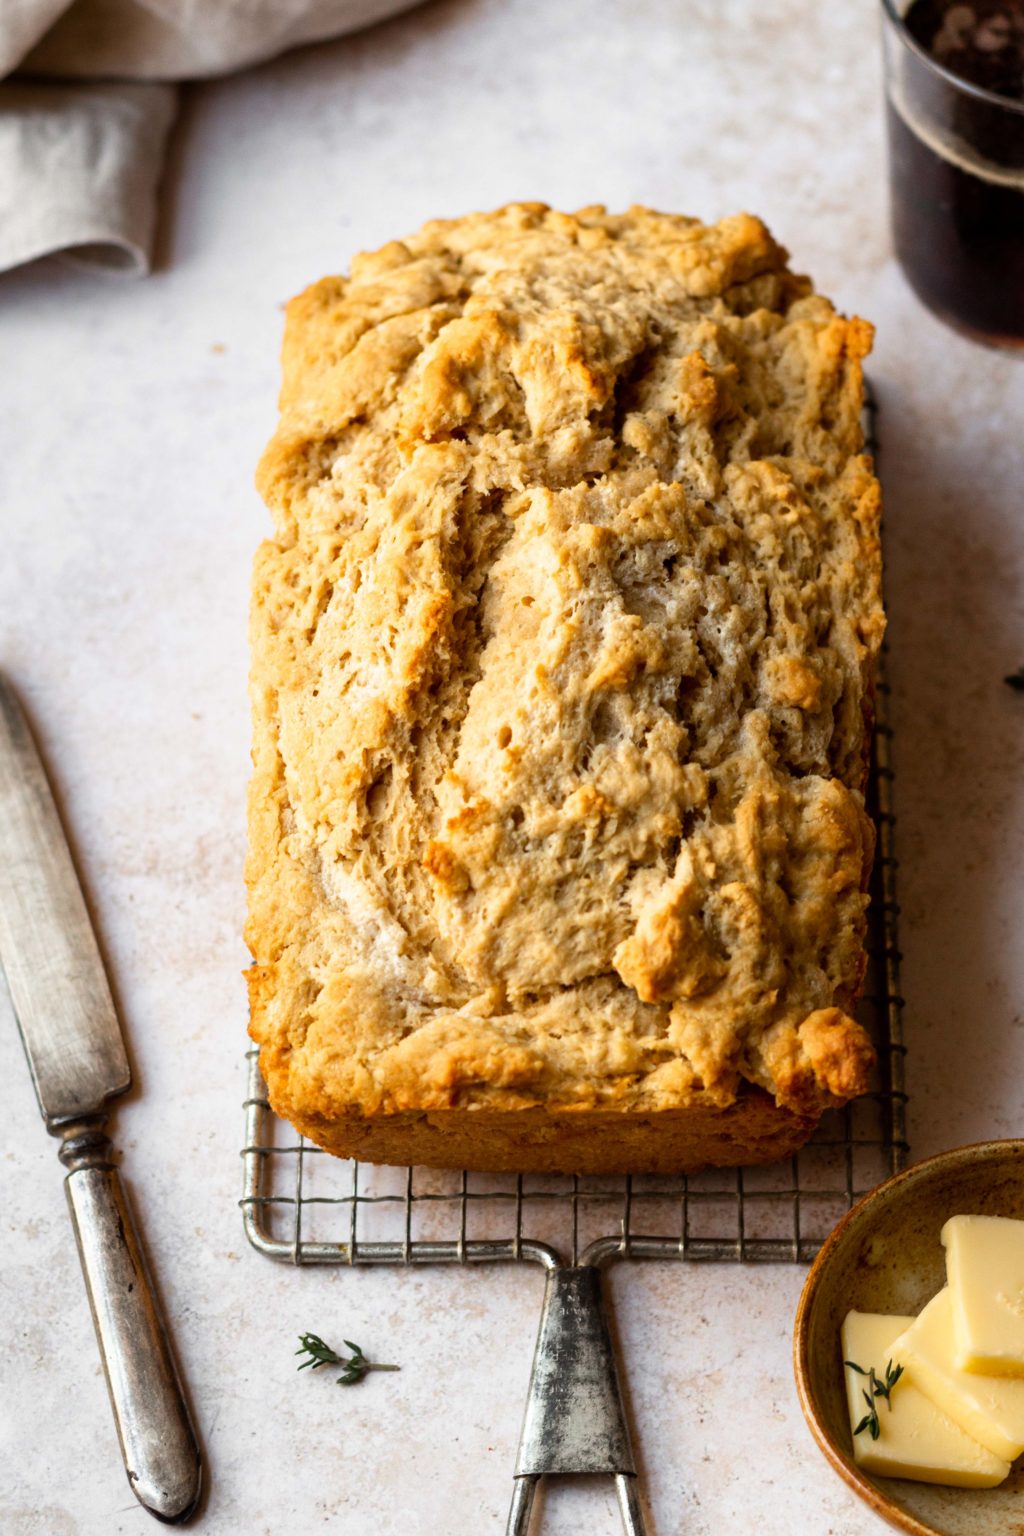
[{"x": 88, "y": 97}]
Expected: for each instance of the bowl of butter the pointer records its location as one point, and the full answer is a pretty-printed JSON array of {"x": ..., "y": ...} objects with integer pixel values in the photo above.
[{"x": 909, "y": 1345}]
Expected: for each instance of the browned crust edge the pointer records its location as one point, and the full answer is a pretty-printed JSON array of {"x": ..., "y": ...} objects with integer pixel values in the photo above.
[{"x": 754, "y": 1129}]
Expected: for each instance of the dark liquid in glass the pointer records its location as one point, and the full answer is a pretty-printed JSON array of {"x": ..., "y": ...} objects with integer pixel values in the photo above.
[{"x": 958, "y": 191}]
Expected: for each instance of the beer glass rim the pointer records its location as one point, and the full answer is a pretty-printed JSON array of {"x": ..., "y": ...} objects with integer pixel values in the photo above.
[{"x": 993, "y": 98}]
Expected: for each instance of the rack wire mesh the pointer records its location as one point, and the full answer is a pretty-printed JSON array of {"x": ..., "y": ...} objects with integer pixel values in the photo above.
[{"x": 303, "y": 1206}]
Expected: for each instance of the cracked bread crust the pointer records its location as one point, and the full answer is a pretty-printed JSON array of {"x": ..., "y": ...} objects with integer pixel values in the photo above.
[{"x": 563, "y": 653}]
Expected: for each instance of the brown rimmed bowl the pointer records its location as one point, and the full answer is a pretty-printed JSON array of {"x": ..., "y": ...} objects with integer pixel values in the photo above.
[{"x": 885, "y": 1256}]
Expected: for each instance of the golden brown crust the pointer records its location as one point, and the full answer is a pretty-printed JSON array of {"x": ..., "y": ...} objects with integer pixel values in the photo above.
[
  {"x": 563, "y": 652},
  {"x": 753, "y": 1130},
  {"x": 699, "y": 1134}
]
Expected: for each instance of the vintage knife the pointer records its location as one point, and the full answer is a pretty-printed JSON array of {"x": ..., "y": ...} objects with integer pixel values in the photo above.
[{"x": 76, "y": 1052}]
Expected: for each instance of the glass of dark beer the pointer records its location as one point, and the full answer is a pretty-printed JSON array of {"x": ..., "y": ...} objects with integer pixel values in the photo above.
[{"x": 954, "y": 74}]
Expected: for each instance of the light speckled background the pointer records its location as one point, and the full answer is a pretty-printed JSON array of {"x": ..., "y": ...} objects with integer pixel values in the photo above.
[{"x": 130, "y": 420}]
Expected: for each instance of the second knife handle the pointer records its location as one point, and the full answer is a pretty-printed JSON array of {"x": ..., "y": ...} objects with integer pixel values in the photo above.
[{"x": 161, "y": 1455}]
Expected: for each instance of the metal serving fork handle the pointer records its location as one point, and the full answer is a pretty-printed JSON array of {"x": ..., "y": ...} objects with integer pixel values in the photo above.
[
  {"x": 574, "y": 1420},
  {"x": 161, "y": 1456}
]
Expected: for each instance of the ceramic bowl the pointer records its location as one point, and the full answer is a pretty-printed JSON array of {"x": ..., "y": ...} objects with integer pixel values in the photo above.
[{"x": 885, "y": 1256}]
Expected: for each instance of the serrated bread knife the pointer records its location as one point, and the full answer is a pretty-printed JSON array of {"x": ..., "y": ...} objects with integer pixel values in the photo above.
[{"x": 76, "y": 1053}]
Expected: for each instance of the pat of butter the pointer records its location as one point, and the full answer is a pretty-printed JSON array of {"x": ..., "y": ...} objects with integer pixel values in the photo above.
[
  {"x": 990, "y": 1408},
  {"x": 985, "y": 1269},
  {"x": 917, "y": 1439}
]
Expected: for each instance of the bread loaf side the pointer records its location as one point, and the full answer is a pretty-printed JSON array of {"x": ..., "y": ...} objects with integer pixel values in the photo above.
[{"x": 563, "y": 652}]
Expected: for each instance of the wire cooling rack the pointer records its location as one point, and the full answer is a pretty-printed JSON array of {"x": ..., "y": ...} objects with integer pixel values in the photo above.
[{"x": 302, "y": 1206}]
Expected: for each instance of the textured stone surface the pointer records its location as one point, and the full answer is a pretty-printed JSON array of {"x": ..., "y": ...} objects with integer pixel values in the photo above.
[{"x": 128, "y": 523}]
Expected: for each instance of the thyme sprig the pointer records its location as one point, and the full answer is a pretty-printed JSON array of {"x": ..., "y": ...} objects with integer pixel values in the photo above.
[
  {"x": 354, "y": 1368},
  {"x": 877, "y": 1389}
]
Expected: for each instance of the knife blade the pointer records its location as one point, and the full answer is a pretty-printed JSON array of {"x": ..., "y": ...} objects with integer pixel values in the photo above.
[
  {"x": 76, "y": 1053},
  {"x": 48, "y": 949}
]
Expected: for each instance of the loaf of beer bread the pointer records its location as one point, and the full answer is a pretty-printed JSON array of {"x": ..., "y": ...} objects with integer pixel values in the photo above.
[{"x": 563, "y": 655}]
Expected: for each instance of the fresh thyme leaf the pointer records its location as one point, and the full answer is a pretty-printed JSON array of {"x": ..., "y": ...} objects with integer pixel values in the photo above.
[
  {"x": 891, "y": 1378},
  {"x": 353, "y": 1369},
  {"x": 873, "y": 1390},
  {"x": 1016, "y": 680},
  {"x": 319, "y": 1353},
  {"x": 870, "y": 1419}
]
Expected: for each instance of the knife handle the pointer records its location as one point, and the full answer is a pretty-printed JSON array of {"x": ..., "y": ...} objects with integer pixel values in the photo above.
[{"x": 158, "y": 1443}]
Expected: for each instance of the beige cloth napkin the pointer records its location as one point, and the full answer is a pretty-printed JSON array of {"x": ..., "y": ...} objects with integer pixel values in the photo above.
[{"x": 84, "y": 120}]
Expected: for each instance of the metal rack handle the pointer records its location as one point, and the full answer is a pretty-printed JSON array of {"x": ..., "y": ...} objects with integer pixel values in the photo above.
[{"x": 574, "y": 1420}]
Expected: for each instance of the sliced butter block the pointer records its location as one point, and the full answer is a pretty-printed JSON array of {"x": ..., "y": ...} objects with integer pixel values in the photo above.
[
  {"x": 985, "y": 1270},
  {"x": 917, "y": 1439},
  {"x": 989, "y": 1408}
]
